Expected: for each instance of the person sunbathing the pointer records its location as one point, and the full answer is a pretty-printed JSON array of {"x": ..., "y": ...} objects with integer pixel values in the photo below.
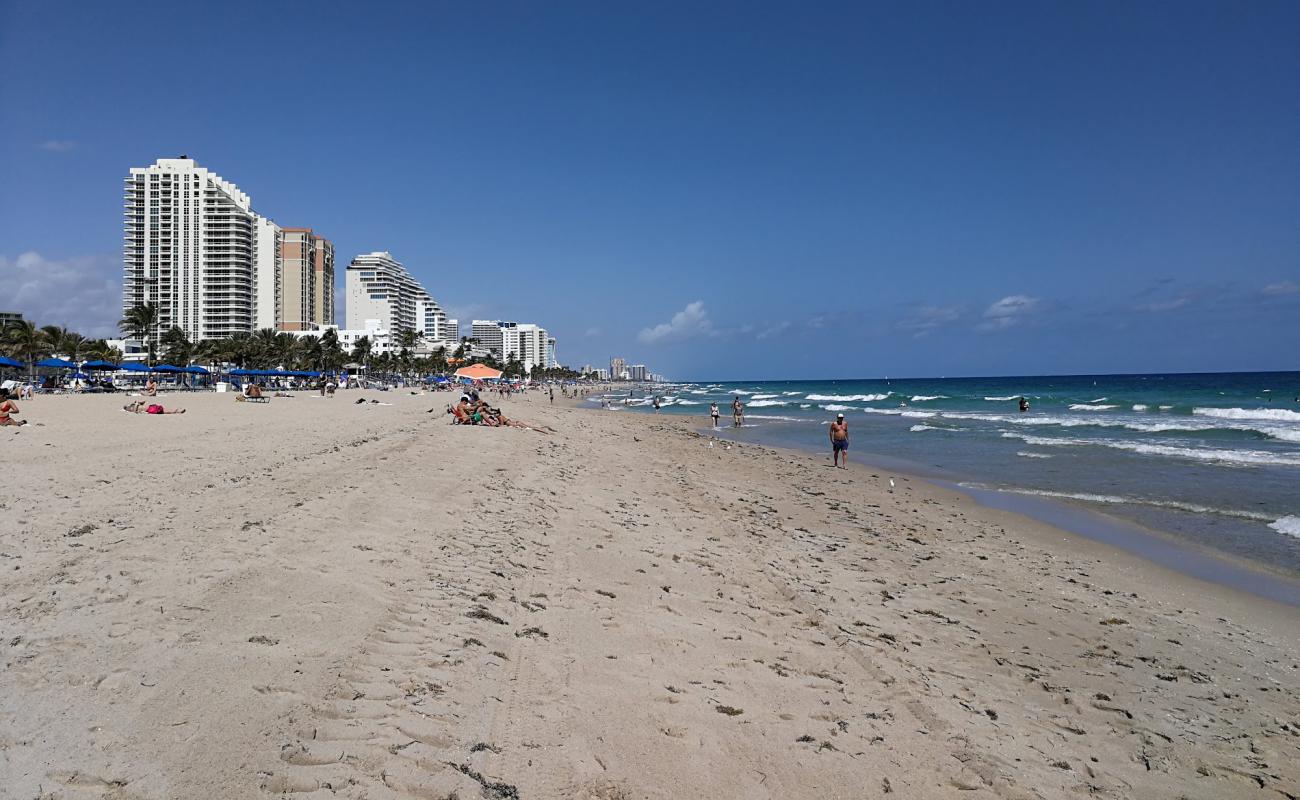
[
  {"x": 141, "y": 407},
  {"x": 528, "y": 426},
  {"x": 8, "y": 407}
]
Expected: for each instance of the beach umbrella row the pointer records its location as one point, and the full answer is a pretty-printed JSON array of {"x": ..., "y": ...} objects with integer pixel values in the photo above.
[
  {"x": 165, "y": 369},
  {"x": 275, "y": 373}
]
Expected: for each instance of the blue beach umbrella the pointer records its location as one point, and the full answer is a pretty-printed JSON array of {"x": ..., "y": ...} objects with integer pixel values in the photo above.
[
  {"x": 133, "y": 366},
  {"x": 99, "y": 365},
  {"x": 194, "y": 369},
  {"x": 167, "y": 368},
  {"x": 9, "y": 362},
  {"x": 56, "y": 363}
]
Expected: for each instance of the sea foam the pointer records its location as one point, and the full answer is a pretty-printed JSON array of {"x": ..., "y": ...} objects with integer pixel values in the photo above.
[
  {"x": 1287, "y": 525},
  {"x": 1245, "y": 458},
  {"x": 864, "y": 398},
  {"x": 1111, "y": 499},
  {"x": 1274, "y": 414}
]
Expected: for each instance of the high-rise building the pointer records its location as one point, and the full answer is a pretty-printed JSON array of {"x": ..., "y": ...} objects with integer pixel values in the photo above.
[
  {"x": 488, "y": 334},
  {"x": 430, "y": 319},
  {"x": 379, "y": 288},
  {"x": 266, "y": 305},
  {"x": 528, "y": 343},
  {"x": 638, "y": 372},
  {"x": 190, "y": 248},
  {"x": 617, "y": 366},
  {"x": 297, "y": 280},
  {"x": 323, "y": 294},
  {"x": 451, "y": 330}
]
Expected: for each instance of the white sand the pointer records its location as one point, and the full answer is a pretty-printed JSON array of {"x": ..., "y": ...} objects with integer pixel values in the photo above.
[{"x": 249, "y": 600}]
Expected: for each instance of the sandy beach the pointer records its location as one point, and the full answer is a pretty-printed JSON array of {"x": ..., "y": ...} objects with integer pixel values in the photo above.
[{"x": 325, "y": 599}]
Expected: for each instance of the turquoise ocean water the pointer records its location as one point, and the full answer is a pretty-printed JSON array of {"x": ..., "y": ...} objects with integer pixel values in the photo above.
[{"x": 1211, "y": 458}]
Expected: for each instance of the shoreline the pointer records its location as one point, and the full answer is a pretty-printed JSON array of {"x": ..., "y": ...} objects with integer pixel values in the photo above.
[
  {"x": 1163, "y": 548},
  {"x": 329, "y": 598}
]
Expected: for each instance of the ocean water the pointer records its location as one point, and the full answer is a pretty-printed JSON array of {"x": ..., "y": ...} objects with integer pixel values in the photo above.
[{"x": 1211, "y": 458}]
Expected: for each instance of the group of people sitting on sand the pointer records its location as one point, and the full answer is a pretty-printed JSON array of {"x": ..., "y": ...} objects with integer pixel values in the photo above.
[{"x": 472, "y": 410}]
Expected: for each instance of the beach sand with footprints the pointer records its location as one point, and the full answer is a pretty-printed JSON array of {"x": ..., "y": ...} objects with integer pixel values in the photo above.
[{"x": 330, "y": 600}]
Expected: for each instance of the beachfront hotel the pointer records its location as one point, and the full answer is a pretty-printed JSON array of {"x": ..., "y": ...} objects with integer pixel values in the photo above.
[
  {"x": 190, "y": 246},
  {"x": 380, "y": 289},
  {"x": 194, "y": 247},
  {"x": 522, "y": 340},
  {"x": 306, "y": 281}
]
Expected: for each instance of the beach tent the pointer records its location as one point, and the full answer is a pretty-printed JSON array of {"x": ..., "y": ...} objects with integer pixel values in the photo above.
[
  {"x": 478, "y": 372},
  {"x": 55, "y": 363},
  {"x": 9, "y": 362}
]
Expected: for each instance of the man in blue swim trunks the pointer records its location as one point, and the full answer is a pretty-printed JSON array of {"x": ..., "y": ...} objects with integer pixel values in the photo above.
[{"x": 840, "y": 441}]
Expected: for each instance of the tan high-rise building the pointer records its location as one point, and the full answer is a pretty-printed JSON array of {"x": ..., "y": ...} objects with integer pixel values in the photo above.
[
  {"x": 297, "y": 280},
  {"x": 323, "y": 293}
]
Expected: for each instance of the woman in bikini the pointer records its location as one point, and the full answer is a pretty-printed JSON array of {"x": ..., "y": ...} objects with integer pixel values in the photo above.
[{"x": 8, "y": 407}]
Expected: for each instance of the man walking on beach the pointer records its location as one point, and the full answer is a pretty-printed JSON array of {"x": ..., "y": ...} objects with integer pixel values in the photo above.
[
  {"x": 840, "y": 441},
  {"x": 737, "y": 411}
]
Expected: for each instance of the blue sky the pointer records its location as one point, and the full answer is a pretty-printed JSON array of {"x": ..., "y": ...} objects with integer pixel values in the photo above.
[{"x": 721, "y": 190}]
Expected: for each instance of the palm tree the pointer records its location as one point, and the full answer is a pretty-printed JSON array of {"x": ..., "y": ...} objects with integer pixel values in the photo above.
[
  {"x": 408, "y": 338},
  {"x": 331, "y": 353},
  {"x": 26, "y": 341},
  {"x": 263, "y": 348},
  {"x": 179, "y": 348},
  {"x": 361, "y": 351},
  {"x": 54, "y": 336},
  {"x": 140, "y": 322},
  {"x": 73, "y": 345}
]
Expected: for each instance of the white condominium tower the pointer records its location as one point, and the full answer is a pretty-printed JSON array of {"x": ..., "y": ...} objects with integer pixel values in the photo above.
[
  {"x": 192, "y": 247},
  {"x": 524, "y": 341},
  {"x": 379, "y": 288}
]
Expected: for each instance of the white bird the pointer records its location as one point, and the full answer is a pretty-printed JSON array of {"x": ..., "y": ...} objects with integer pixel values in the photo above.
[{"x": 891, "y": 484}]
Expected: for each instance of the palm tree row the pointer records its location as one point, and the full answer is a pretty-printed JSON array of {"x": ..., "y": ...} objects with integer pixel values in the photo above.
[
  {"x": 25, "y": 341},
  {"x": 263, "y": 349}
]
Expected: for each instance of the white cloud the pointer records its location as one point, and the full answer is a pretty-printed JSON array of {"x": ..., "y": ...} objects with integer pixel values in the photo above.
[
  {"x": 591, "y": 333},
  {"x": 58, "y": 145},
  {"x": 1283, "y": 288},
  {"x": 83, "y": 293},
  {"x": 465, "y": 315},
  {"x": 774, "y": 330},
  {"x": 690, "y": 321},
  {"x": 929, "y": 318},
  {"x": 1007, "y": 312},
  {"x": 1165, "y": 305}
]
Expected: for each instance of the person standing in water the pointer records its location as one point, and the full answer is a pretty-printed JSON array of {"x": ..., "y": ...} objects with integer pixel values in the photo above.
[
  {"x": 840, "y": 441},
  {"x": 713, "y": 412},
  {"x": 736, "y": 411},
  {"x": 1024, "y": 405}
]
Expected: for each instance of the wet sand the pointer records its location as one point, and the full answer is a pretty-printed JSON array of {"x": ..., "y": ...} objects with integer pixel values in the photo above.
[{"x": 327, "y": 599}]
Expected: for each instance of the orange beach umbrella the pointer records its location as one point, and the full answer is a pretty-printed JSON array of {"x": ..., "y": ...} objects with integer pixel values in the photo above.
[{"x": 478, "y": 372}]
